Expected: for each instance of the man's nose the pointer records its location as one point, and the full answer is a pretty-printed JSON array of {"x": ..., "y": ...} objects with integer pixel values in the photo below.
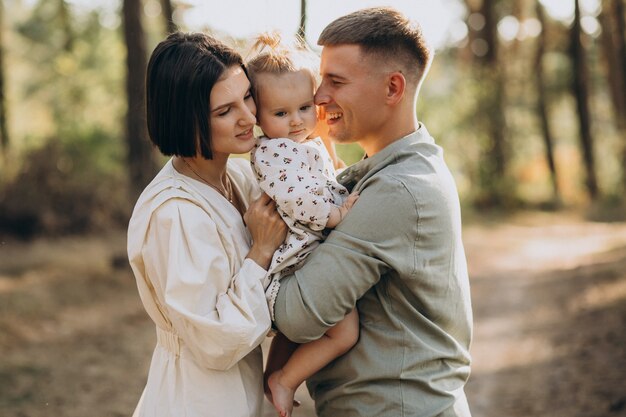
[{"x": 321, "y": 98}]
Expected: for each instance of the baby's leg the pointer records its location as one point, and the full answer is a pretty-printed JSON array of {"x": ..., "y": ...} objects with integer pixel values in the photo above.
[{"x": 309, "y": 358}]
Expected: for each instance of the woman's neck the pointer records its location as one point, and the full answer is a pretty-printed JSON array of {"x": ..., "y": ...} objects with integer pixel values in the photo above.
[{"x": 211, "y": 170}]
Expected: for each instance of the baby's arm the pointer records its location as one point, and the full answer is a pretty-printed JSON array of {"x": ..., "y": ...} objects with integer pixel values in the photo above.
[{"x": 337, "y": 213}]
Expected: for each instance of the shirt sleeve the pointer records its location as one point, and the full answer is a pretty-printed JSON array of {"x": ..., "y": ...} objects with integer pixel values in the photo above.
[
  {"x": 376, "y": 235},
  {"x": 284, "y": 173},
  {"x": 219, "y": 314}
]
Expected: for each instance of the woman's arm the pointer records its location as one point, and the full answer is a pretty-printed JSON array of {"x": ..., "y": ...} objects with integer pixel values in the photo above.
[{"x": 219, "y": 313}]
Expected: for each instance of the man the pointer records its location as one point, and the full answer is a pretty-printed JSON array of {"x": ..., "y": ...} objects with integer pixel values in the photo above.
[{"x": 398, "y": 254}]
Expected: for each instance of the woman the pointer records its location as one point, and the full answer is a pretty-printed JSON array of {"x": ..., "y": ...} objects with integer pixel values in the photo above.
[{"x": 199, "y": 270}]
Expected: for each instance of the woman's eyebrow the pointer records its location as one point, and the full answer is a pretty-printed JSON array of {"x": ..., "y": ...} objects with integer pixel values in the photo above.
[{"x": 222, "y": 106}]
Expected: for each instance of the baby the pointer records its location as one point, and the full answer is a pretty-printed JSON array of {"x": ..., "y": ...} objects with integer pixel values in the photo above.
[{"x": 293, "y": 167}]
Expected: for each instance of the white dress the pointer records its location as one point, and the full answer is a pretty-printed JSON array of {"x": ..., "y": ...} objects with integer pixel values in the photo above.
[
  {"x": 186, "y": 246},
  {"x": 300, "y": 178}
]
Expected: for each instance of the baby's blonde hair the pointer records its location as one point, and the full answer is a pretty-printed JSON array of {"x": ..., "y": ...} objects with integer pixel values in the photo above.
[{"x": 273, "y": 56}]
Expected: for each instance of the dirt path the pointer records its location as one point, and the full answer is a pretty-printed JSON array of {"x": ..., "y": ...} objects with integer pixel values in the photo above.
[{"x": 549, "y": 295}]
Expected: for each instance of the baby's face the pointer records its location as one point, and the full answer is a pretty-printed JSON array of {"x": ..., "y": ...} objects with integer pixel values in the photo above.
[{"x": 285, "y": 105}]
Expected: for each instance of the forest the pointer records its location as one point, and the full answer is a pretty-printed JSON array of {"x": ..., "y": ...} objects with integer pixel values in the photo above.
[
  {"x": 528, "y": 108},
  {"x": 528, "y": 104}
]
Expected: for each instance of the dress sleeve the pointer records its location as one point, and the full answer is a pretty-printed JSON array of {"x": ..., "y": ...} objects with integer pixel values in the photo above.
[
  {"x": 220, "y": 314},
  {"x": 284, "y": 173}
]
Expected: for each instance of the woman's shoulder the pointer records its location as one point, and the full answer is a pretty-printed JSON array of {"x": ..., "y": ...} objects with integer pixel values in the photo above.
[{"x": 240, "y": 172}]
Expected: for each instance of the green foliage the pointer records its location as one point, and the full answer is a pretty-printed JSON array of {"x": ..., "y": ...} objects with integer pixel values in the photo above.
[
  {"x": 83, "y": 81},
  {"x": 69, "y": 185}
]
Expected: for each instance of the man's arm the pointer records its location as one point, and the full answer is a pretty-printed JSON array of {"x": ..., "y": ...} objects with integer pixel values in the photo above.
[{"x": 366, "y": 244}]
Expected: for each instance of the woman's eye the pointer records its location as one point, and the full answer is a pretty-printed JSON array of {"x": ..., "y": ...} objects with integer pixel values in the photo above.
[
  {"x": 225, "y": 112},
  {"x": 247, "y": 96}
]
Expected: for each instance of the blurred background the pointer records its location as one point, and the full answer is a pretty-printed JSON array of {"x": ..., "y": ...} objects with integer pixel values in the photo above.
[{"x": 527, "y": 98}]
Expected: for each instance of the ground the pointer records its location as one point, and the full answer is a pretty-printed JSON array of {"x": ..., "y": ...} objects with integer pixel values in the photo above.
[{"x": 548, "y": 290}]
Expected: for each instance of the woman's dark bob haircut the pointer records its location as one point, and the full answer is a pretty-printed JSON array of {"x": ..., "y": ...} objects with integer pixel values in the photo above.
[{"x": 181, "y": 73}]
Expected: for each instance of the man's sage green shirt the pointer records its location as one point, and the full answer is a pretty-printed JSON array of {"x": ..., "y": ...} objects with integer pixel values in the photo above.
[{"x": 397, "y": 256}]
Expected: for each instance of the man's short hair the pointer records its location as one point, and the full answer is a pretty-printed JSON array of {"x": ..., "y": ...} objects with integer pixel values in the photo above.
[
  {"x": 384, "y": 33},
  {"x": 181, "y": 73}
]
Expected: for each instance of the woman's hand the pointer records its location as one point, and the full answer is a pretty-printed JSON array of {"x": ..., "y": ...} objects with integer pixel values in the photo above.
[{"x": 267, "y": 228}]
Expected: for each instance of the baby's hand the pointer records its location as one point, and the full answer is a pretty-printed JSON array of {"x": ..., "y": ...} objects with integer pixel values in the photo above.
[{"x": 337, "y": 213}]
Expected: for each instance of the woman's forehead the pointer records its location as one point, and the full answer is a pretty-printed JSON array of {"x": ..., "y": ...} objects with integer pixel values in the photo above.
[{"x": 233, "y": 84}]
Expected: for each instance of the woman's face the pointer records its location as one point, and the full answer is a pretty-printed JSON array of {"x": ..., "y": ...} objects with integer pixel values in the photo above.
[{"x": 232, "y": 113}]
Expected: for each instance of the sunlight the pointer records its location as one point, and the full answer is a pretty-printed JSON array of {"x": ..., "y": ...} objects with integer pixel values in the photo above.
[{"x": 242, "y": 19}]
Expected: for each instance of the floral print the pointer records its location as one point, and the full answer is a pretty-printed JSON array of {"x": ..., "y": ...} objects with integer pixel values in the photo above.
[{"x": 300, "y": 178}]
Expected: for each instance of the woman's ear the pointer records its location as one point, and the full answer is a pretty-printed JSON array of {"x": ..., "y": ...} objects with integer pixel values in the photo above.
[{"x": 396, "y": 86}]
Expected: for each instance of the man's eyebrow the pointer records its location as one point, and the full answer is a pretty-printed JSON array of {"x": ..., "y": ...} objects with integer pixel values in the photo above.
[{"x": 333, "y": 75}]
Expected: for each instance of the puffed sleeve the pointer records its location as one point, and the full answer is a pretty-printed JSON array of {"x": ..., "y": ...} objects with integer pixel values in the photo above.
[
  {"x": 219, "y": 314},
  {"x": 283, "y": 171}
]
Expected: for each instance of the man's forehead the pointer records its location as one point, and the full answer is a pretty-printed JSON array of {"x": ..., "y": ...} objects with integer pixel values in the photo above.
[{"x": 340, "y": 57}]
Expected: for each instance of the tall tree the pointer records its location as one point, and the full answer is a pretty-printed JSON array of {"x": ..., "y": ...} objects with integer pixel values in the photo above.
[
  {"x": 140, "y": 161},
  {"x": 66, "y": 22},
  {"x": 611, "y": 51},
  {"x": 580, "y": 89},
  {"x": 620, "y": 49},
  {"x": 4, "y": 131},
  {"x": 542, "y": 105},
  {"x": 494, "y": 184},
  {"x": 168, "y": 15},
  {"x": 302, "y": 27}
]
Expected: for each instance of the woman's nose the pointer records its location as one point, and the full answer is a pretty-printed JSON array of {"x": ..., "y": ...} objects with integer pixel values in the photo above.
[{"x": 249, "y": 114}]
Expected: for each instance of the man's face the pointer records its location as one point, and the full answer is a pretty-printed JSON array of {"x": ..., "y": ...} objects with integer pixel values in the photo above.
[{"x": 352, "y": 94}]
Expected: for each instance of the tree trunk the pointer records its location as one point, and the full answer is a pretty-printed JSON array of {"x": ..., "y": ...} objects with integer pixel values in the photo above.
[
  {"x": 542, "y": 106},
  {"x": 493, "y": 176},
  {"x": 610, "y": 48},
  {"x": 302, "y": 27},
  {"x": 168, "y": 15},
  {"x": 140, "y": 161},
  {"x": 620, "y": 49},
  {"x": 4, "y": 131},
  {"x": 580, "y": 89},
  {"x": 66, "y": 22}
]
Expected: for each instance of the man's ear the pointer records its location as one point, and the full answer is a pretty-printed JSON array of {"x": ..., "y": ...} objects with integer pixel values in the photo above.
[{"x": 396, "y": 86}]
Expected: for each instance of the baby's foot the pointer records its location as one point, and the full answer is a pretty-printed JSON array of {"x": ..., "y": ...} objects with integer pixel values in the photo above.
[{"x": 282, "y": 395}]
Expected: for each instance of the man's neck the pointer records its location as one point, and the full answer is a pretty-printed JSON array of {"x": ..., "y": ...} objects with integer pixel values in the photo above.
[{"x": 393, "y": 130}]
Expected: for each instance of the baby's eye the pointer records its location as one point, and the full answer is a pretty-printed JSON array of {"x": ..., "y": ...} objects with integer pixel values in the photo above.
[
  {"x": 305, "y": 108},
  {"x": 280, "y": 113}
]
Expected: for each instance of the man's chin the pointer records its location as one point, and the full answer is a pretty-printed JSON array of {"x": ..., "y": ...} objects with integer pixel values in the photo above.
[{"x": 341, "y": 139}]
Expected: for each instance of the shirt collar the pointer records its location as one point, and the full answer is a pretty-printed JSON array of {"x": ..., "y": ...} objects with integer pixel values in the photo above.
[{"x": 354, "y": 173}]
